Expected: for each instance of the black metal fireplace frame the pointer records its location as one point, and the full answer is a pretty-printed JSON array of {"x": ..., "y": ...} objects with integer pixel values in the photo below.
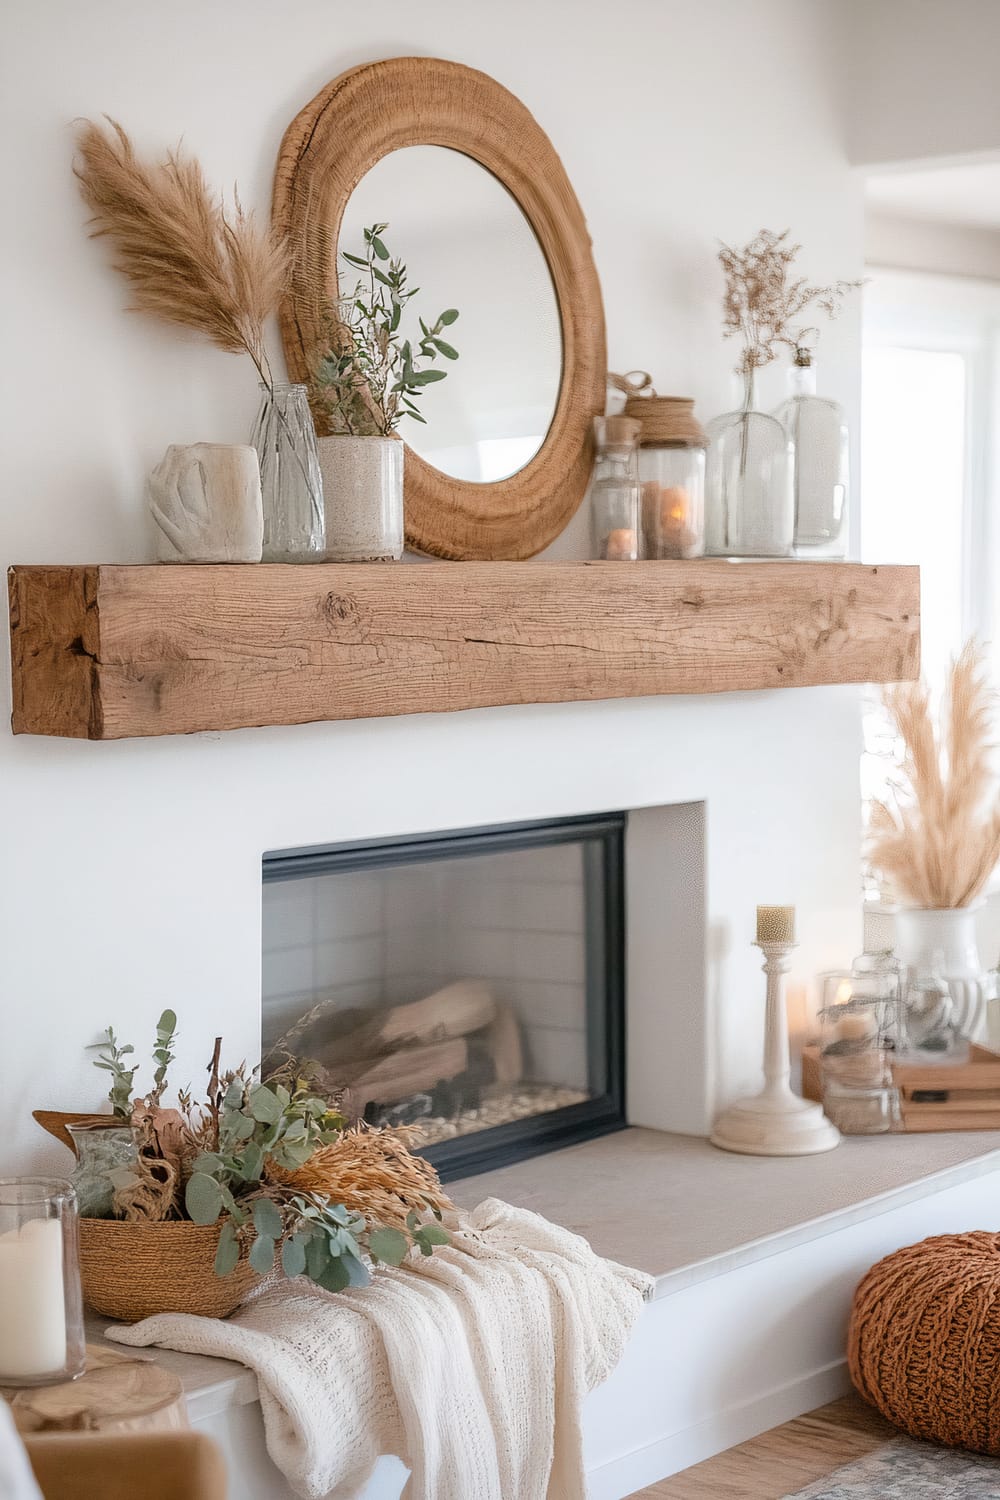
[{"x": 604, "y": 836}]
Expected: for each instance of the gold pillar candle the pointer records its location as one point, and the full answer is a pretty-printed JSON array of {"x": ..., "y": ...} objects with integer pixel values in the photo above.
[{"x": 776, "y": 924}]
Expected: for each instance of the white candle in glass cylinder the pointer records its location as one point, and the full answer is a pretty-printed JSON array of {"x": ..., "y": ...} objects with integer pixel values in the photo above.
[{"x": 32, "y": 1301}]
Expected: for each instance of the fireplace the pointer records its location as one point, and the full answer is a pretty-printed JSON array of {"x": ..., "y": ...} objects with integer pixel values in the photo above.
[{"x": 469, "y": 985}]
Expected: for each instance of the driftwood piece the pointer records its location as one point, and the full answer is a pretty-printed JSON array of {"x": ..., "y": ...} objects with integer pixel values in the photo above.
[
  {"x": 506, "y": 1046},
  {"x": 115, "y": 1393},
  {"x": 398, "y": 1075},
  {"x": 105, "y": 652},
  {"x": 458, "y": 1009}
]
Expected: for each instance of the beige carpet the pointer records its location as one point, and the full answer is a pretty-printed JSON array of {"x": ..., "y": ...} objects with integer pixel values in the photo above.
[{"x": 905, "y": 1470}]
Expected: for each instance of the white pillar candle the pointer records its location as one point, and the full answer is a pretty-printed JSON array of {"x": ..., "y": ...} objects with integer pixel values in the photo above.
[{"x": 32, "y": 1301}]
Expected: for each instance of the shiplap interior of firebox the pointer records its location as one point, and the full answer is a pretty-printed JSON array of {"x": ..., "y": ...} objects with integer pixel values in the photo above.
[{"x": 514, "y": 918}]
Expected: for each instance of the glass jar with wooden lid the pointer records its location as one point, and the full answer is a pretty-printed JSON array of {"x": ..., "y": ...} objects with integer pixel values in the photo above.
[{"x": 672, "y": 447}]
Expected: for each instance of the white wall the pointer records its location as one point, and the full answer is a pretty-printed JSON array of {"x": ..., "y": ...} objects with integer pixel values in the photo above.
[
  {"x": 920, "y": 78},
  {"x": 132, "y": 870},
  {"x": 911, "y": 244}
]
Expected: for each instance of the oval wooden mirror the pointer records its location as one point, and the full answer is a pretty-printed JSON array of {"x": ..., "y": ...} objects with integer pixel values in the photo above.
[{"x": 505, "y": 459}]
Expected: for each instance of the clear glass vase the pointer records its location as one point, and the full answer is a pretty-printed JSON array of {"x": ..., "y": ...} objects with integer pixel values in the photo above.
[
  {"x": 41, "y": 1306},
  {"x": 820, "y": 457},
  {"x": 291, "y": 485},
  {"x": 749, "y": 500}
]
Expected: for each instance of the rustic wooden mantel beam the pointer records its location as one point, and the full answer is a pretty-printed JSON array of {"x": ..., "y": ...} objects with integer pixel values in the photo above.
[{"x": 106, "y": 652}]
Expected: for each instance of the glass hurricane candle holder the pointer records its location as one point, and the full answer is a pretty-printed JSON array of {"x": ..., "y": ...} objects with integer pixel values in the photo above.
[
  {"x": 859, "y": 1031},
  {"x": 41, "y": 1307}
]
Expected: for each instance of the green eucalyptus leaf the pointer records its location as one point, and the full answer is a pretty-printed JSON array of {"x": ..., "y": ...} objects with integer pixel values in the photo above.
[
  {"x": 166, "y": 1026},
  {"x": 228, "y": 1254},
  {"x": 446, "y": 349},
  {"x": 262, "y": 1255},
  {"x": 203, "y": 1198},
  {"x": 233, "y": 1098},
  {"x": 433, "y": 1234},
  {"x": 243, "y": 1127},
  {"x": 267, "y": 1220},
  {"x": 379, "y": 248},
  {"x": 293, "y": 1256},
  {"x": 388, "y": 1245},
  {"x": 252, "y": 1163},
  {"x": 264, "y": 1106},
  {"x": 335, "y": 1277},
  {"x": 355, "y": 260},
  {"x": 427, "y": 377},
  {"x": 358, "y": 1273},
  {"x": 317, "y": 1256},
  {"x": 450, "y": 316}
]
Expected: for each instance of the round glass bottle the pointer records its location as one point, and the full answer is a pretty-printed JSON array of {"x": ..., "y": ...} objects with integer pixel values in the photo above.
[
  {"x": 615, "y": 493},
  {"x": 290, "y": 482},
  {"x": 671, "y": 466},
  {"x": 749, "y": 504},
  {"x": 820, "y": 461}
]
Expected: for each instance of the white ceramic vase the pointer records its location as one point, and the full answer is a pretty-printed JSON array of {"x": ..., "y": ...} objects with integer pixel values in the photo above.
[
  {"x": 205, "y": 499},
  {"x": 945, "y": 940},
  {"x": 362, "y": 498}
]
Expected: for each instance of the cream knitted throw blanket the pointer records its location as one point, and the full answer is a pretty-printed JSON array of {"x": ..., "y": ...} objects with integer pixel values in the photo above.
[{"x": 470, "y": 1365}]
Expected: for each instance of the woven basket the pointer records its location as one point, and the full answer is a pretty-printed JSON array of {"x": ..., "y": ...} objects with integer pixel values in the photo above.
[
  {"x": 924, "y": 1340},
  {"x": 132, "y": 1271}
]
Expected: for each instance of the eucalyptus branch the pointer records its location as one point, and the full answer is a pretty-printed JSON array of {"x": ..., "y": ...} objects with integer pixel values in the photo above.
[{"x": 368, "y": 377}]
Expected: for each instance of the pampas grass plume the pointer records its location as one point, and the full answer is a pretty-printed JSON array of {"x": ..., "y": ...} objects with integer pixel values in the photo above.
[
  {"x": 187, "y": 261},
  {"x": 937, "y": 840}
]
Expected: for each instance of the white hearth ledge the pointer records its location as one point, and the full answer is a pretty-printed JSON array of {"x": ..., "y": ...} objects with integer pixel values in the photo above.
[{"x": 676, "y": 1207}]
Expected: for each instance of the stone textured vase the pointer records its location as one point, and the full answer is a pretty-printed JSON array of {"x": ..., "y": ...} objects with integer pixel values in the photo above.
[
  {"x": 945, "y": 941},
  {"x": 362, "y": 498},
  {"x": 206, "y": 502}
]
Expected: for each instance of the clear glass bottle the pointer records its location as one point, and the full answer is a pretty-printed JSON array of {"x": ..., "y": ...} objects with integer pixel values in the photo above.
[
  {"x": 41, "y": 1306},
  {"x": 671, "y": 468},
  {"x": 749, "y": 500},
  {"x": 615, "y": 492},
  {"x": 291, "y": 486},
  {"x": 820, "y": 462}
]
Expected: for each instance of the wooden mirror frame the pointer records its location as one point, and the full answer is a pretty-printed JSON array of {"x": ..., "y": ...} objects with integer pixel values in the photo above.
[{"x": 330, "y": 145}]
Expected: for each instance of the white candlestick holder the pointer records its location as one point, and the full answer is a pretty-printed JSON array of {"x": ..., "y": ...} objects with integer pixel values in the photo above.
[{"x": 775, "y": 1122}]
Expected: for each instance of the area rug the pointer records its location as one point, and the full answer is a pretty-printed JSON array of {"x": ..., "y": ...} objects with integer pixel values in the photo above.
[{"x": 905, "y": 1470}]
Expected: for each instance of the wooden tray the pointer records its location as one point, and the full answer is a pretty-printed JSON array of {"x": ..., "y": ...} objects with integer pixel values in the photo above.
[{"x": 948, "y": 1096}]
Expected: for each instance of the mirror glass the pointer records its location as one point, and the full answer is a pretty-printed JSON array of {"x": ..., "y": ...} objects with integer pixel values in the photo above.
[{"x": 467, "y": 245}]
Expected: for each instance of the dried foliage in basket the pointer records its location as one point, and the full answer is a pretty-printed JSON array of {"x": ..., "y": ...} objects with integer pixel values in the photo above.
[
  {"x": 188, "y": 260},
  {"x": 275, "y": 1167},
  {"x": 936, "y": 842}
]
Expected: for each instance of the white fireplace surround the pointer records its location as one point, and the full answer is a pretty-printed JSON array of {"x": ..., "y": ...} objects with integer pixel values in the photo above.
[{"x": 157, "y": 889}]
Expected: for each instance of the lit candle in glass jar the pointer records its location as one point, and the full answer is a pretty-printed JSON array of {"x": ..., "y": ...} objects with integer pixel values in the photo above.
[{"x": 622, "y": 545}]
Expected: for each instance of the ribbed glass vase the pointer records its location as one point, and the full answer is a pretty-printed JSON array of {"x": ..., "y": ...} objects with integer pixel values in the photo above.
[{"x": 290, "y": 480}]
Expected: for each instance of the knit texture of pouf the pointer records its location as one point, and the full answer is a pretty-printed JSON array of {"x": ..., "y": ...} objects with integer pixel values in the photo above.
[{"x": 924, "y": 1340}]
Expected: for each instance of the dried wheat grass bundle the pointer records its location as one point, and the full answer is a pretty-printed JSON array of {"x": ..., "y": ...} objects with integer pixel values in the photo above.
[
  {"x": 188, "y": 262},
  {"x": 372, "y": 1172},
  {"x": 939, "y": 842}
]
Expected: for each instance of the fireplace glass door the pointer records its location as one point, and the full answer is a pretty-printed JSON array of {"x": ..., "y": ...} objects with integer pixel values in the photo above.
[{"x": 466, "y": 985}]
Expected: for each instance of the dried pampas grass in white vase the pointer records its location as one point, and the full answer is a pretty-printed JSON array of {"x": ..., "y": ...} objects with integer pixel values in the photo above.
[{"x": 936, "y": 840}]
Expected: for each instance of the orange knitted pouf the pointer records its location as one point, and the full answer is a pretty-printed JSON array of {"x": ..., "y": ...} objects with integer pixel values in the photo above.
[{"x": 924, "y": 1340}]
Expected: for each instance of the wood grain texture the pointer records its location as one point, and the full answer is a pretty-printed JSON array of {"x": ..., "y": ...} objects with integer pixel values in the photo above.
[
  {"x": 784, "y": 1460},
  {"x": 107, "y": 652},
  {"x": 330, "y": 145}
]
